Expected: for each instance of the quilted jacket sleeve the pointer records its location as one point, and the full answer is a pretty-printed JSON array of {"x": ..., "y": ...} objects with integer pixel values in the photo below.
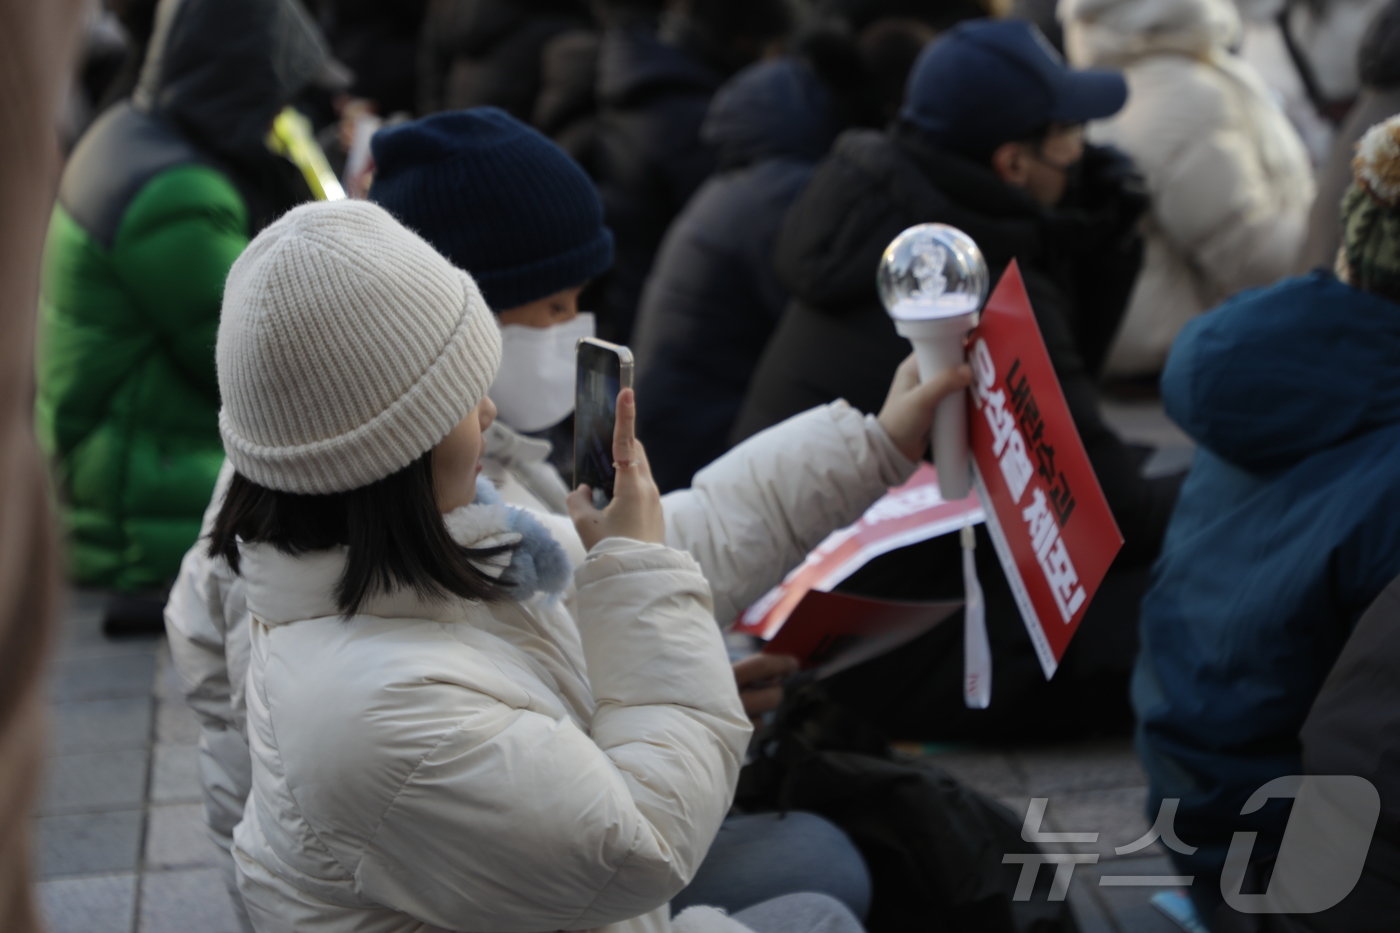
[
  {"x": 206, "y": 625},
  {"x": 752, "y": 515},
  {"x": 520, "y": 821}
]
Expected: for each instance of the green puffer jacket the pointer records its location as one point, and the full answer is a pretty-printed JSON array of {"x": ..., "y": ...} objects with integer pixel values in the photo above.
[{"x": 155, "y": 204}]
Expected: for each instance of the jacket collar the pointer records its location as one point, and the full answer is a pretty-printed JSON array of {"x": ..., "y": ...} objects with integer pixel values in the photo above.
[
  {"x": 283, "y": 588},
  {"x": 511, "y": 448}
]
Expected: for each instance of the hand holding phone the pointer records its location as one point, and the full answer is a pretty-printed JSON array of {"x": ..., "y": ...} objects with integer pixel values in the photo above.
[
  {"x": 603, "y": 371},
  {"x": 635, "y": 509},
  {"x": 616, "y": 495}
]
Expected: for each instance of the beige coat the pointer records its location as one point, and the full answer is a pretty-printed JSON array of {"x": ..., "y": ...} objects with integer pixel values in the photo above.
[
  {"x": 748, "y": 519},
  {"x": 1230, "y": 181}
]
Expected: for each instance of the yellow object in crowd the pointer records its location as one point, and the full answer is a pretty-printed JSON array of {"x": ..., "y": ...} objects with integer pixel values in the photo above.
[{"x": 292, "y": 138}]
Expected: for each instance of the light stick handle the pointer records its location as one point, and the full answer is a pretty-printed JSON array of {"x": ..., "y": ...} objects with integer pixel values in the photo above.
[{"x": 939, "y": 346}]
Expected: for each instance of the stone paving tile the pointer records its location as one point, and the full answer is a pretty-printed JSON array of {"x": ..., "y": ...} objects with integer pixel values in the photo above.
[
  {"x": 176, "y": 837},
  {"x": 100, "y": 725},
  {"x": 88, "y": 843},
  {"x": 176, "y": 723},
  {"x": 99, "y": 904},
  {"x": 80, "y": 630},
  {"x": 175, "y": 774},
  {"x": 95, "y": 781},
  {"x": 185, "y": 901},
  {"x": 1144, "y": 422},
  {"x": 1017, "y": 804},
  {"x": 1166, "y": 461},
  {"x": 101, "y": 678},
  {"x": 1117, "y": 815},
  {"x": 1082, "y": 766},
  {"x": 167, "y": 683}
]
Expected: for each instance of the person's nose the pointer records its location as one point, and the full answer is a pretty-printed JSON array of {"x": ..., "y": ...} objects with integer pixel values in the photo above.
[{"x": 488, "y": 413}]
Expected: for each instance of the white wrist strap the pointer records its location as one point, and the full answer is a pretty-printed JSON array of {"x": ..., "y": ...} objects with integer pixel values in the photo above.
[{"x": 977, "y": 653}]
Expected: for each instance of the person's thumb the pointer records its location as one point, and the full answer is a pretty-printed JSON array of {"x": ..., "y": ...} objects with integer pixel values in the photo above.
[{"x": 580, "y": 504}]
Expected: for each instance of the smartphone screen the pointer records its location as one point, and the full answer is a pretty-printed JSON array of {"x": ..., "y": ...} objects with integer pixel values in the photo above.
[{"x": 604, "y": 369}]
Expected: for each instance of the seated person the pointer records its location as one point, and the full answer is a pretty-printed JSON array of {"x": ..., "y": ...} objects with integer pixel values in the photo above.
[
  {"x": 988, "y": 140},
  {"x": 159, "y": 197},
  {"x": 1285, "y": 531},
  {"x": 207, "y": 616},
  {"x": 712, "y": 297},
  {"x": 443, "y": 732},
  {"x": 1230, "y": 180}
]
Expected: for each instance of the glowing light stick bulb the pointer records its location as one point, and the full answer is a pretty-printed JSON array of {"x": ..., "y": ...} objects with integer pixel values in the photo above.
[{"x": 933, "y": 281}]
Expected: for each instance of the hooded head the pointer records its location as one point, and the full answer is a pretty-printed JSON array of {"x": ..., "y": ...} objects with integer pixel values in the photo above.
[
  {"x": 222, "y": 69},
  {"x": 777, "y": 109}
]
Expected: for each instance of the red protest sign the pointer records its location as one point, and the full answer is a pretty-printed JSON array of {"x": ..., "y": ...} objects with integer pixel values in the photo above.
[
  {"x": 1046, "y": 513},
  {"x": 913, "y": 512},
  {"x": 830, "y": 632}
]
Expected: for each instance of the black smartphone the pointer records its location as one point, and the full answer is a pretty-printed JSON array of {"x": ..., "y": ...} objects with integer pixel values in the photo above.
[{"x": 604, "y": 369}]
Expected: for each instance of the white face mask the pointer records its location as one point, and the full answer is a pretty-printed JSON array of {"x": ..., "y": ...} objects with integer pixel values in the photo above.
[{"x": 534, "y": 388}]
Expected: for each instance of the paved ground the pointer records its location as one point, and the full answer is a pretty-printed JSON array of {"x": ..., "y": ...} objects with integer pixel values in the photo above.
[
  {"x": 121, "y": 847},
  {"x": 121, "y": 844}
]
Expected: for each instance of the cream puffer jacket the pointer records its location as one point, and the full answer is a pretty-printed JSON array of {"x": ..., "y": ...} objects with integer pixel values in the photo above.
[
  {"x": 1230, "y": 180},
  {"x": 748, "y": 519}
]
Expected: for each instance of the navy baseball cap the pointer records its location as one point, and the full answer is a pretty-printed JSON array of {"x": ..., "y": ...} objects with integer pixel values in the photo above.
[{"x": 987, "y": 82}]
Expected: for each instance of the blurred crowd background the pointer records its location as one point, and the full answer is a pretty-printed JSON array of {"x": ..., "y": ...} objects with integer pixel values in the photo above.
[{"x": 752, "y": 159}]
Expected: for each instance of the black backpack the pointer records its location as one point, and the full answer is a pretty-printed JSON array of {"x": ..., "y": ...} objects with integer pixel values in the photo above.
[{"x": 933, "y": 845}]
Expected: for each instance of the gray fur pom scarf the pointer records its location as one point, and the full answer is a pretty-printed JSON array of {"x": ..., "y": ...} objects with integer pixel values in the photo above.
[{"x": 535, "y": 562}]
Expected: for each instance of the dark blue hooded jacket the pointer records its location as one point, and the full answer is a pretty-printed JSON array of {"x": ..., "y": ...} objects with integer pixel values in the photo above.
[
  {"x": 713, "y": 297},
  {"x": 646, "y": 157},
  {"x": 1285, "y": 531}
]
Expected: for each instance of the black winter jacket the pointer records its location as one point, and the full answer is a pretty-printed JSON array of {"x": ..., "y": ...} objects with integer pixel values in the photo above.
[
  {"x": 836, "y": 341},
  {"x": 487, "y": 53},
  {"x": 648, "y": 157},
  {"x": 714, "y": 297},
  {"x": 1354, "y": 730},
  {"x": 567, "y": 107},
  {"x": 378, "y": 42}
]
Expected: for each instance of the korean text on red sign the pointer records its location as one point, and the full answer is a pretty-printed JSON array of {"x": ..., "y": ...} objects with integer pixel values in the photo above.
[{"x": 1046, "y": 513}]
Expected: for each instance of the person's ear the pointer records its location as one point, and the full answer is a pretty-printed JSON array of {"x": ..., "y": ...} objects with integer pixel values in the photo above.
[{"x": 1011, "y": 163}]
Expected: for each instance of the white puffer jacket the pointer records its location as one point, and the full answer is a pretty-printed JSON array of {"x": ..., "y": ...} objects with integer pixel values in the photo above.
[
  {"x": 1230, "y": 180},
  {"x": 747, "y": 520}
]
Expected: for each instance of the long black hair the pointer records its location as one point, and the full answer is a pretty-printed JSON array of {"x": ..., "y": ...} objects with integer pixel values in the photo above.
[{"x": 392, "y": 530}]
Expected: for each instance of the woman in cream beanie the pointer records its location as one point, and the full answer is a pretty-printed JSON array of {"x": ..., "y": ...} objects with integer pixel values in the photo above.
[
  {"x": 447, "y": 732},
  {"x": 426, "y": 745}
]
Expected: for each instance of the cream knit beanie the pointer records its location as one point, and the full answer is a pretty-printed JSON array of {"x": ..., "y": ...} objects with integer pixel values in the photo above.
[{"x": 348, "y": 347}]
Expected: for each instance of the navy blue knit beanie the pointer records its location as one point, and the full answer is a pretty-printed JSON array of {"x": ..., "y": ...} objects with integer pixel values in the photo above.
[{"x": 498, "y": 199}]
